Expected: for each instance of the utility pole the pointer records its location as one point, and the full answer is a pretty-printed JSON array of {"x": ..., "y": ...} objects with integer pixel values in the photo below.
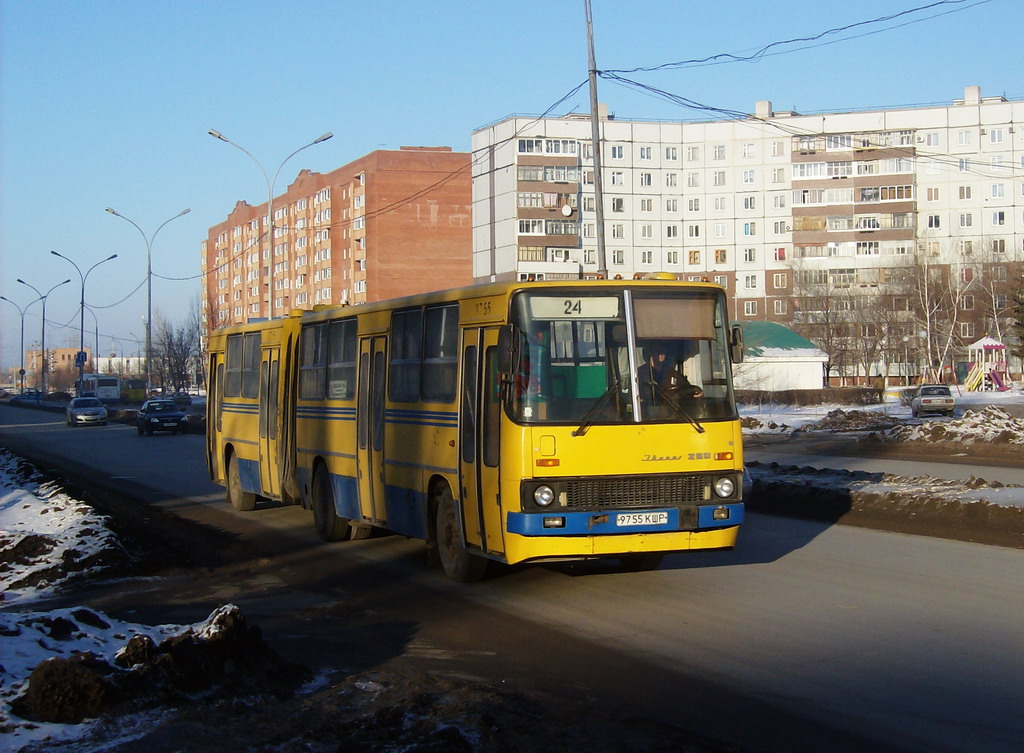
[{"x": 595, "y": 143}]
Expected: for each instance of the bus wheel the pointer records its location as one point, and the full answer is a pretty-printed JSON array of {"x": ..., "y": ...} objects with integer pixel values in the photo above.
[
  {"x": 329, "y": 525},
  {"x": 242, "y": 501},
  {"x": 458, "y": 564},
  {"x": 636, "y": 563}
]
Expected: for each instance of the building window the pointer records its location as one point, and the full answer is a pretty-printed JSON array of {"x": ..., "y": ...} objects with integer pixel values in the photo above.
[
  {"x": 529, "y": 146},
  {"x": 718, "y": 151},
  {"x": 693, "y": 205},
  {"x": 999, "y": 218},
  {"x": 616, "y": 152},
  {"x": 750, "y": 282},
  {"x": 692, "y": 180},
  {"x": 998, "y": 191},
  {"x": 965, "y": 193},
  {"x": 967, "y": 329},
  {"x": 671, "y": 205},
  {"x": 693, "y": 231},
  {"x": 617, "y": 256},
  {"x": 618, "y": 230},
  {"x": 720, "y": 256},
  {"x": 531, "y": 227},
  {"x": 779, "y": 280},
  {"x": 750, "y": 202},
  {"x": 618, "y": 204},
  {"x": 749, "y": 228},
  {"x": 933, "y": 221},
  {"x": 672, "y": 257},
  {"x": 646, "y": 231},
  {"x": 720, "y": 230},
  {"x": 963, "y": 138},
  {"x": 671, "y": 153},
  {"x": 748, "y": 176},
  {"x": 671, "y": 180},
  {"x": 645, "y": 152},
  {"x": 995, "y": 135},
  {"x": 718, "y": 178},
  {"x": 966, "y": 219},
  {"x": 750, "y": 255},
  {"x": 692, "y": 153},
  {"x": 932, "y": 194},
  {"x": 780, "y": 227},
  {"x": 750, "y": 308},
  {"x": 998, "y": 246},
  {"x": 646, "y": 179},
  {"x": 618, "y": 178},
  {"x": 647, "y": 257},
  {"x": 694, "y": 257},
  {"x": 671, "y": 231}
]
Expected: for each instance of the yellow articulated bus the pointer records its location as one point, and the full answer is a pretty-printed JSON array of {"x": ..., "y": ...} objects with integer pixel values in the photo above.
[{"x": 508, "y": 422}]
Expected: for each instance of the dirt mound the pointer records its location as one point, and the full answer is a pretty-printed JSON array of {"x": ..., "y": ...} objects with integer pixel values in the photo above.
[
  {"x": 990, "y": 425},
  {"x": 223, "y": 655},
  {"x": 853, "y": 420}
]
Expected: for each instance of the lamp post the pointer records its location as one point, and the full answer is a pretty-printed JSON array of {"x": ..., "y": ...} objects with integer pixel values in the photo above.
[
  {"x": 149, "y": 283},
  {"x": 270, "y": 204},
  {"x": 80, "y": 358},
  {"x": 42, "y": 345},
  {"x": 21, "y": 312}
]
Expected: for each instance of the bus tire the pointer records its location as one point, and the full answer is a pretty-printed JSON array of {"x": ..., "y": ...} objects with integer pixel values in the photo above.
[
  {"x": 459, "y": 564},
  {"x": 641, "y": 561},
  {"x": 239, "y": 499},
  {"x": 329, "y": 525}
]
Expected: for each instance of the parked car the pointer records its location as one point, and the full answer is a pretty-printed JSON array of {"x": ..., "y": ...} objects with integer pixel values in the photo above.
[
  {"x": 182, "y": 398},
  {"x": 86, "y": 410},
  {"x": 29, "y": 395},
  {"x": 160, "y": 415},
  {"x": 932, "y": 398}
]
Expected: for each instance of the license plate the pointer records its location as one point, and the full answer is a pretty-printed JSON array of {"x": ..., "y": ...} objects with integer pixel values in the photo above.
[
  {"x": 641, "y": 519},
  {"x": 170, "y": 426}
]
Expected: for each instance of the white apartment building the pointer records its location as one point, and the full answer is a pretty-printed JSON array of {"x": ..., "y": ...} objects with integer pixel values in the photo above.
[{"x": 776, "y": 207}]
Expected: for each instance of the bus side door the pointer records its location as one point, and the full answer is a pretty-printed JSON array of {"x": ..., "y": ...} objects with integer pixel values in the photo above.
[
  {"x": 479, "y": 430},
  {"x": 270, "y": 369},
  {"x": 370, "y": 428}
]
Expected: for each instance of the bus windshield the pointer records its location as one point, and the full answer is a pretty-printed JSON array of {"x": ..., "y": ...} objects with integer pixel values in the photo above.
[{"x": 621, "y": 356}]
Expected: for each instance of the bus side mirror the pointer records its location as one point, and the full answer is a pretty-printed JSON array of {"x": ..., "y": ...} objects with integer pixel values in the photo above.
[
  {"x": 508, "y": 349},
  {"x": 736, "y": 344}
]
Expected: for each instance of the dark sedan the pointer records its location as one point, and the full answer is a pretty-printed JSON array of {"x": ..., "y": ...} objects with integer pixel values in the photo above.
[{"x": 160, "y": 415}]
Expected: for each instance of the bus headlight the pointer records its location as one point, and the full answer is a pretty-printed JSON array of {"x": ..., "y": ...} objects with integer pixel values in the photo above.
[
  {"x": 724, "y": 487},
  {"x": 543, "y": 495}
]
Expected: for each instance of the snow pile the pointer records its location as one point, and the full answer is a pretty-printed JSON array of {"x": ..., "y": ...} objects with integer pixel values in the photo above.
[
  {"x": 47, "y": 538},
  {"x": 990, "y": 425}
]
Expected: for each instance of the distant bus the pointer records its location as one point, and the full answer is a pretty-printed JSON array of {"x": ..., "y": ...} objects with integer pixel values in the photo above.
[
  {"x": 509, "y": 422},
  {"x": 133, "y": 391},
  {"x": 103, "y": 386}
]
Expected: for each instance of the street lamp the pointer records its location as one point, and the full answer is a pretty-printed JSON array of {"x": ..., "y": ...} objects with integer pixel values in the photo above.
[
  {"x": 270, "y": 204},
  {"x": 149, "y": 283},
  {"x": 21, "y": 312},
  {"x": 42, "y": 346},
  {"x": 80, "y": 358}
]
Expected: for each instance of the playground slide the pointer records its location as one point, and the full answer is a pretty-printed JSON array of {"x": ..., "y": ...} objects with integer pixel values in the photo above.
[{"x": 998, "y": 381}]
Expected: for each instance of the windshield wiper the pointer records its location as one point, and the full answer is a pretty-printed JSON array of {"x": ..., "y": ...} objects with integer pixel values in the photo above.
[
  {"x": 588, "y": 417},
  {"x": 680, "y": 411}
]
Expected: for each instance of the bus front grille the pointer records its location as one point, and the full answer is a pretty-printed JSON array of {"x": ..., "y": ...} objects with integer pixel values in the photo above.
[{"x": 650, "y": 491}]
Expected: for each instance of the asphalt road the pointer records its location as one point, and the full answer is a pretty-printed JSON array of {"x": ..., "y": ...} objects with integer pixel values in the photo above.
[{"x": 807, "y": 637}]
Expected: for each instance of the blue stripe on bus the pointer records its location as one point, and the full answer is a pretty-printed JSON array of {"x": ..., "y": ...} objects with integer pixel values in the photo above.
[
  {"x": 249, "y": 476},
  {"x": 584, "y": 523},
  {"x": 240, "y": 408}
]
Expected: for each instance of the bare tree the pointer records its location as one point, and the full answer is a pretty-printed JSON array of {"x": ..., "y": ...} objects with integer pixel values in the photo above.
[{"x": 176, "y": 349}]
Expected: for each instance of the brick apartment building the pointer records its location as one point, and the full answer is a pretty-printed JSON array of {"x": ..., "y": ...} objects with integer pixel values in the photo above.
[{"x": 392, "y": 223}]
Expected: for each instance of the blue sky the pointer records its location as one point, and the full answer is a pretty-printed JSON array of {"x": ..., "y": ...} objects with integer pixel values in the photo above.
[{"x": 108, "y": 103}]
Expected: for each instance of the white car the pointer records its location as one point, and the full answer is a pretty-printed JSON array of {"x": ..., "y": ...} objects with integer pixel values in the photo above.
[
  {"x": 86, "y": 410},
  {"x": 932, "y": 398}
]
